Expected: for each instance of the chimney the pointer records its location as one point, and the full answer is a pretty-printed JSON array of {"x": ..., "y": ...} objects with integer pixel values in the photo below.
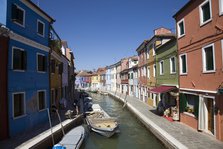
[{"x": 161, "y": 31}]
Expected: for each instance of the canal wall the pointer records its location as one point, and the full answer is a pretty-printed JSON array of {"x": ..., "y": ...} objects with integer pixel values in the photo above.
[
  {"x": 44, "y": 140},
  {"x": 169, "y": 141}
]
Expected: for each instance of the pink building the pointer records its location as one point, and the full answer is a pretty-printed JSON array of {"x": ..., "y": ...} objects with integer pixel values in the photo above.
[{"x": 124, "y": 75}]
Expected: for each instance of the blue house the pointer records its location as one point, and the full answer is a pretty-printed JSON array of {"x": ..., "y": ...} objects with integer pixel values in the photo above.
[{"x": 28, "y": 65}]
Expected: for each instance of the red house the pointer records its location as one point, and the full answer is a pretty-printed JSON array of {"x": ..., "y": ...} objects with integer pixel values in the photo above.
[{"x": 199, "y": 27}]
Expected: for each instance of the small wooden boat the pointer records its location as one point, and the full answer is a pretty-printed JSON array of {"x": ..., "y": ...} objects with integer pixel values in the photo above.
[
  {"x": 72, "y": 140},
  {"x": 99, "y": 121}
]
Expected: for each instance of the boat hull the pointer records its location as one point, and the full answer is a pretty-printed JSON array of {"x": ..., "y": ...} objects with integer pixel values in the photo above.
[
  {"x": 100, "y": 122},
  {"x": 73, "y": 139}
]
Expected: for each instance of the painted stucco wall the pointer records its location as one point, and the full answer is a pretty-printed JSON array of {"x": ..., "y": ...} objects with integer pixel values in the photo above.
[
  {"x": 65, "y": 71},
  {"x": 164, "y": 54},
  {"x": 29, "y": 82},
  {"x": 196, "y": 37},
  {"x": 30, "y": 29}
]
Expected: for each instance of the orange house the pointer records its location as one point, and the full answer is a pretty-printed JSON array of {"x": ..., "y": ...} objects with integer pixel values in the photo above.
[{"x": 199, "y": 27}]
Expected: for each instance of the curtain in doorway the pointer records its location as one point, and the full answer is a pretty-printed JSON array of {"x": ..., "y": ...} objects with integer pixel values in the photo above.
[{"x": 201, "y": 114}]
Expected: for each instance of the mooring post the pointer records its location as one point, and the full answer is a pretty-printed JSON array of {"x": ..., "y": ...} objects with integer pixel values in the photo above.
[
  {"x": 50, "y": 125},
  {"x": 60, "y": 122}
]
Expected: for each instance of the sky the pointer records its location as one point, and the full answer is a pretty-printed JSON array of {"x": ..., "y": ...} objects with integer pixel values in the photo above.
[{"x": 101, "y": 32}]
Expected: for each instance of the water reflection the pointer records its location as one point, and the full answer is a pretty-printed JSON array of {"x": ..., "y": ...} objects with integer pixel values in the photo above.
[{"x": 133, "y": 135}]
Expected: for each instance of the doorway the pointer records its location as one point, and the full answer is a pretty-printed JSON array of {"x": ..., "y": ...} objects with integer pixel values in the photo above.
[{"x": 210, "y": 125}]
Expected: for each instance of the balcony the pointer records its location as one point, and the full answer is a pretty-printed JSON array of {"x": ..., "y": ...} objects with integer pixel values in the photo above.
[{"x": 55, "y": 45}]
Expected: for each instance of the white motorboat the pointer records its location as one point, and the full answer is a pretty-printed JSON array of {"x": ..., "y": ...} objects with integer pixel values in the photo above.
[
  {"x": 72, "y": 140},
  {"x": 99, "y": 121}
]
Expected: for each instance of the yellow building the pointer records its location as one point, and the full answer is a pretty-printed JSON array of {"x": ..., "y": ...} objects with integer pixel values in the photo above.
[
  {"x": 95, "y": 81},
  {"x": 56, "y": 70},
  {"x": 161, "y": 36}
]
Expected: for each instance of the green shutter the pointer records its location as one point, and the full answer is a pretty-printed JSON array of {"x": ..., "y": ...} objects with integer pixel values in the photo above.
[
  {"x": 183, "y": 102},
  {"x": 196, "y": 106}
]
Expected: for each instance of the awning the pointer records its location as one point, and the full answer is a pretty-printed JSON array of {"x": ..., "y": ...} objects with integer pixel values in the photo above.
[{"x": 162, "y": 89}]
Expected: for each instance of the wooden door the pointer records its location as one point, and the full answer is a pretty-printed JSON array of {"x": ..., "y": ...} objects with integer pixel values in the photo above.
[{"x": 210, "y": 109}]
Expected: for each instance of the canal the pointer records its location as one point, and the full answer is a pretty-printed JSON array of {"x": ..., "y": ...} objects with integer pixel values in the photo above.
[{"x": 133, "y": 135}]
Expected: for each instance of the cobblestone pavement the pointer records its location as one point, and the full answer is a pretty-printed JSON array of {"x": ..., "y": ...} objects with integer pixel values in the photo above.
[{"x": 186, "y": 135}]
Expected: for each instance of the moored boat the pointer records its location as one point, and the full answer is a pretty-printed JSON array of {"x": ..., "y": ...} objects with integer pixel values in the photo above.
[
  {"x": 72, "y": 140},
  {"x": 99, "y": 121}
]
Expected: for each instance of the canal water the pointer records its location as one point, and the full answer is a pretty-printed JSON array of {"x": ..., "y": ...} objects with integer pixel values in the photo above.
[{"x": 133, "y": 135}]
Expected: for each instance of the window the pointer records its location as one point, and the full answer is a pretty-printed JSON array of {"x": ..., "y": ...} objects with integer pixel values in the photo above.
[
  {"x": 173, "y": 65},
  {"x": 144, "y": 71},
  {"x": 41, "y": 63},
  {"x": 189, "y": 104},
  {"x": 148, "y": 72},
  {"x": 221, "y": 7},
  {"x": 181, "y": 28},
  {"x": 154, "y": 70},
  {"x": 154, "y": 46},
  {"x": 18, "y": 15},
  {"x": 208, "y": 56},
  {"x": 52, "y": 65},
  {"x": 183, "y": 64},
  {"x": 60, "y": 68},
  {"x": 40, "y": 28},
  {"x": 161, "y": 68},
  {"x": 147, "y": 52},
  {"x": 19, "y": 59},
  {"x": 205, "y": 12},
  {"x": 18, "y": 104},
  {"x": 41, "y": 100},
  {"x": 131, "y": 76}
]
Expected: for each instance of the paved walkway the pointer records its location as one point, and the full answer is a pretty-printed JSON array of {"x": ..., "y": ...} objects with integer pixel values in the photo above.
[
  {"x": 14, "y": 142},
  {"x": 175, "y": 133}
]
